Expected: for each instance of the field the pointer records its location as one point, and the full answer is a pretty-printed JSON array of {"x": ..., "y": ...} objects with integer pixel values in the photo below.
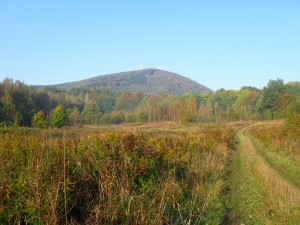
[{"x": 150, "y": 173}]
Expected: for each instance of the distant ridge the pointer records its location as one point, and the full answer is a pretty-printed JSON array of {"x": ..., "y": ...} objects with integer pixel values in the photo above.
[{"x": 149, "y": 81}]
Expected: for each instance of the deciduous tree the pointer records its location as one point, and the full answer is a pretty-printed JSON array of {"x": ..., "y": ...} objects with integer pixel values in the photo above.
[
  {"x": 59, "y": 117},
  {"x": 38, "y": 119},
  {"x": 91, "y": 112}
]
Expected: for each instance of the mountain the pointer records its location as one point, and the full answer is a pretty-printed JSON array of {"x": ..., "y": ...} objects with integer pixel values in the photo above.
[{"x": 150, "y": 81}]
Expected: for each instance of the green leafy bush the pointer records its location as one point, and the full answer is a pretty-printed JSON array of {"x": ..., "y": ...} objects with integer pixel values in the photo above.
[{"x": 59, "y": 117}]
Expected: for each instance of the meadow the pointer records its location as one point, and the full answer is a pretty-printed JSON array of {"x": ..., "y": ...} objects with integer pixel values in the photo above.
[
  {"x": 135, "y": 175},
  {"x": 264, "y": 178},
  {"x": 280, "y": 147},
  {"x": 151, "y": 173}
]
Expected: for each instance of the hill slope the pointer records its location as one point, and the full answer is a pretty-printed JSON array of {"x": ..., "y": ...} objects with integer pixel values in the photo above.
[{"x": 150, "y": 81}]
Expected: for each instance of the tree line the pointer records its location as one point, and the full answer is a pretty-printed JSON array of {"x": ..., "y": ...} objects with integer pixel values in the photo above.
[{"x": 23, "y": 105}]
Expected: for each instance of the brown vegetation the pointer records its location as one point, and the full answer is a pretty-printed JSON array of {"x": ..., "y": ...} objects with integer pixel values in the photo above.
[{"x": 68, "y": 176}]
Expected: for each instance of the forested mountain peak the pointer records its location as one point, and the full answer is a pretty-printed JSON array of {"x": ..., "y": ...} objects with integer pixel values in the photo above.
[{"x": 149, "y": 81}]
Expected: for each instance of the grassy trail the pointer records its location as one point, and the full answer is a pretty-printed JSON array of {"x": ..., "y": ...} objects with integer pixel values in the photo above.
[
  {"x": 259, "y": 195},
  {"x": 284, "y": 160}
]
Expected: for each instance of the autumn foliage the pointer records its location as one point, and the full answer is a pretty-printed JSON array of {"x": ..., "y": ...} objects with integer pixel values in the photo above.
[{"x": 68, "y": 176}]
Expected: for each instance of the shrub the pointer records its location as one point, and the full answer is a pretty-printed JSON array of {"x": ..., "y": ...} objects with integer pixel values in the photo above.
[
  {"x": 58, "y": 177},
  {"x": 59, "y": 117},
  {"x": 38, "y": 120}
]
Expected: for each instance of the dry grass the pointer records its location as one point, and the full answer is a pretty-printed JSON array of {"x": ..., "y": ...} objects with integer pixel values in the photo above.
[
  {"x": 280, "y": 198},
  {"x": 113, "y": 177}
]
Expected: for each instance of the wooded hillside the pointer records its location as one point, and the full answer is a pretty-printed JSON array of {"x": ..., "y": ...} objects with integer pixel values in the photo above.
[
  {"x": 148, "y": 81},
  {"x": 22, "y": 105}
]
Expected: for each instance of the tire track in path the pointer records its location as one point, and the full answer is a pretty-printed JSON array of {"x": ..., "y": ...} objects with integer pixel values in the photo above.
[
  {"x": 269, "y": 177},
  {"x": 278, "y": 200}
]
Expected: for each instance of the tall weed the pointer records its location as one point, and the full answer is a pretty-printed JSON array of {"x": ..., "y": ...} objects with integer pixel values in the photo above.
[{"x": 68, "y": 176}]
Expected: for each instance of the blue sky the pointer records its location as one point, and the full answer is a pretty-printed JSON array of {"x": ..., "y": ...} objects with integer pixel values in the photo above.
[{"x": 221, "y": 44}]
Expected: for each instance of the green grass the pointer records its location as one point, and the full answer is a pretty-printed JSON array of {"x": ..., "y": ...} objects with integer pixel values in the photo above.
[
  {"x": 284, "y": 163},
  {"x": 279, "y": 149},
  {"x": 245, "y": 195},
  {"x": 258, "y": 194}
]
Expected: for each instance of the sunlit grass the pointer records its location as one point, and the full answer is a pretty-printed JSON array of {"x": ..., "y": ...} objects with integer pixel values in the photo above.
[
  {"x": 259, "y": 195},
  {"x": 96, "y": 175}
]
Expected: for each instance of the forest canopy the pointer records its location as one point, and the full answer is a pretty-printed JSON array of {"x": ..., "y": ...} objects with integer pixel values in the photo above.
[{"x": 23, "y": 105}]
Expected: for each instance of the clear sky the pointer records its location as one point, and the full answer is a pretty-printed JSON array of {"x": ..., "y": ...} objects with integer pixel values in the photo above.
[{"x": 218, "y": 43}]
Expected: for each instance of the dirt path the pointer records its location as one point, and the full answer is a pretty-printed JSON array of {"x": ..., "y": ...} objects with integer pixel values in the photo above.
[
  {"x": 259, "y": 195},
  {"x": 276, "y": 185}
]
